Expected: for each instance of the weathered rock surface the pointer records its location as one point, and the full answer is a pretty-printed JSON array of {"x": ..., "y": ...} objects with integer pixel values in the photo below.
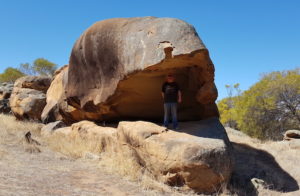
[
  {"x": 117, "y": 67},
  {"x": 5, "y": 92},
  {"x": 55, "y": 96},
  {"x": 28, "y": 97},
  {"x": 292, "y": 134},
  {"x": 201, "y": 160},
  {"x": 179, "y": 158},
  {"x": 57, "y": 107}
]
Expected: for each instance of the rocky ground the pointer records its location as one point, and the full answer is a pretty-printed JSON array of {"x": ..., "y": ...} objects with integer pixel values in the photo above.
[{"x": 261, "y": 168}]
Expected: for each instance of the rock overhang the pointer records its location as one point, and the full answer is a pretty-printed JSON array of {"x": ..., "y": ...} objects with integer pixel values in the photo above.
[{"x": 115, "y": 60}]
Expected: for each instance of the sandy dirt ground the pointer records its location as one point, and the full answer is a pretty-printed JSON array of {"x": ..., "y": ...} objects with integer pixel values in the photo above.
[{"x": 49, "y": 173}]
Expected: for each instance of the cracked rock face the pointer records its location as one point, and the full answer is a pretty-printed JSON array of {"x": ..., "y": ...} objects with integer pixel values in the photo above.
[
  {"x": 117, "y": 67},
  {"x": 28, "y": 98}
]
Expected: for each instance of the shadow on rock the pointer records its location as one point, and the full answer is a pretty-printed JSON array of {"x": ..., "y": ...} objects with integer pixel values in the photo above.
[
  {"x": 208, "y": 128},
  {"x": 249, "y": 163},
  {"x": 252, "y": 163}
]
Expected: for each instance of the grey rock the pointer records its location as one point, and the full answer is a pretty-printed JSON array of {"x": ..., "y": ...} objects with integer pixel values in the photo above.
[
  {"x": 51, "y": 127},
  {"x": 91, "y": 156}
]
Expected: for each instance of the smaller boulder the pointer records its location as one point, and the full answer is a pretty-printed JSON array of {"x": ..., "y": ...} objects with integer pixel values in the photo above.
[
  {"x": 51, "y": 127},
  {"x": 291, "y": 134},
  {"x": 28, "y": 98},
  {"x": 40, "y": 83}
]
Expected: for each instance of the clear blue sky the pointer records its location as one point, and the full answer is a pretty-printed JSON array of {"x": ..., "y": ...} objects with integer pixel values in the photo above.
[{"x": 245, "y": 38}]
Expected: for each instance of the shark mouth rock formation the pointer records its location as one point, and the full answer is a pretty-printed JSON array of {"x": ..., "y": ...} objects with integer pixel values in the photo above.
[{"x": 117, "y": 67}]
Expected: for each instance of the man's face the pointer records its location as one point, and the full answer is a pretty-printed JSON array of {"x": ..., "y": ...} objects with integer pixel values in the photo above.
[{"x": 170, "y": 78}]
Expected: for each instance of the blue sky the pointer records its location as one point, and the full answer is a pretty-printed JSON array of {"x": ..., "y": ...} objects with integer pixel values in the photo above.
[{"x": 245, "y": 38}]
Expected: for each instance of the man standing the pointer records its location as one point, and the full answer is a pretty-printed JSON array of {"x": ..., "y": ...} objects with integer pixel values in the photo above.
[{"x": 172, "y": 95}]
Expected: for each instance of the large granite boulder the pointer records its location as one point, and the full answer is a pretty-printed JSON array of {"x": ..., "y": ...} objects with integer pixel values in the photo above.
[
  {"x": 117, "y": 67},
  {"x": 28, "y": 97},
  {"x": 200, "y": 160},
  {"x": 5, "y": 92}
]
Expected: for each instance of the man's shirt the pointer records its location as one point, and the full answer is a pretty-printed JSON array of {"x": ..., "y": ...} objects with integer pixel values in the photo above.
[{"x": 170, "y": 91}]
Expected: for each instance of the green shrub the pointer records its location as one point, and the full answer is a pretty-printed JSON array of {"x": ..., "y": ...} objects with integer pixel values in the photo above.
[{"x": 268, "y": 108}]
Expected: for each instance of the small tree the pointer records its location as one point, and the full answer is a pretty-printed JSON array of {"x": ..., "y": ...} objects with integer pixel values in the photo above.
[
  {"x": 271, "y": 106},
  {"x": 26, "y": 69},
  {"x": 10, "y": 75},
  {"x": 227, "y": 112},
  {"x": 40, "y": 66},
  {"x": 227, "y": 108},
  {"x": 44, "y": 67}
]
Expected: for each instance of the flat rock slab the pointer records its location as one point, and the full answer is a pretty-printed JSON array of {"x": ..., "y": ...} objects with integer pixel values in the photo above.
[{"x": 201, "y": 161}]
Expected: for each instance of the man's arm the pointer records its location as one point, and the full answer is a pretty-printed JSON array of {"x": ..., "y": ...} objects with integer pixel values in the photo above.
[
  {"x": 179, "y": 97},
  {"x": 163, "y": 91}
]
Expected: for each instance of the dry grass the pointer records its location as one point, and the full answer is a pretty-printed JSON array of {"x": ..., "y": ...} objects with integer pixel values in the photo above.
[
  {"x": 10, "y": 129},
  {"x": 75, "y": 146}
]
